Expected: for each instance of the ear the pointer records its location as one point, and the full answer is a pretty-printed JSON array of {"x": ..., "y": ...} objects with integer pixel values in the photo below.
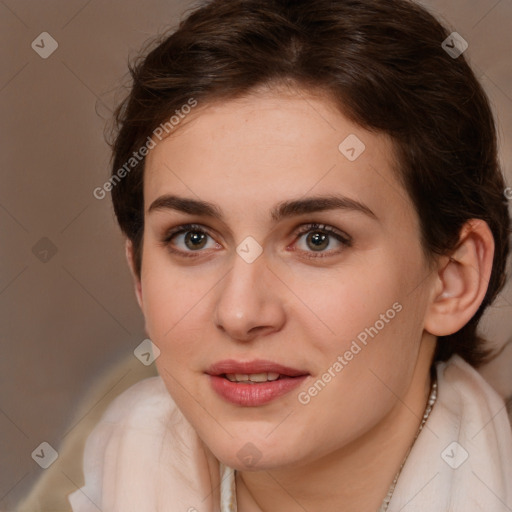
[
  {"x": 131, "y": 263},
  {"x": 462, "y": 280}
]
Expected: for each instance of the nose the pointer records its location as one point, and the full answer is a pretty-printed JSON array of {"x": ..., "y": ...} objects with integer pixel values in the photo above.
[{"x": 249, "y": 303}]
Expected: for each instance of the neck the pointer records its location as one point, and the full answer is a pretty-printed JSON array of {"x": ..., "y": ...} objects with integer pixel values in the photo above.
[{"x": 356, "y": 477}]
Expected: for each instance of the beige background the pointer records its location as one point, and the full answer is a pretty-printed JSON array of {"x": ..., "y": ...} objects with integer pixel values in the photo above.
[{"x": 68, "y": 319}]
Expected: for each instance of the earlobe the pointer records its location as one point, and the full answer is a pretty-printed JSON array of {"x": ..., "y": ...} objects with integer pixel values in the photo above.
[
  {"x": 462, "y": 280},
  {"x": 131, "y": 264}
]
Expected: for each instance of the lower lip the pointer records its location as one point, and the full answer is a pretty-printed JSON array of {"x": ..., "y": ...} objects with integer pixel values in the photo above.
[{"x": 251, "y": 395}]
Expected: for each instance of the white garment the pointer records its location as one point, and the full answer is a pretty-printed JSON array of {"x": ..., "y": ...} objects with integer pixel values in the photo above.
[{"x": 144, "y": 456}]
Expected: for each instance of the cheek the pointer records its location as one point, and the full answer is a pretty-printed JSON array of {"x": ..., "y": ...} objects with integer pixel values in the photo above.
[
  {"x": 371, "y": 315},
  {"x": 347, "y": 302},
  {"x": 172, "y": 299}
]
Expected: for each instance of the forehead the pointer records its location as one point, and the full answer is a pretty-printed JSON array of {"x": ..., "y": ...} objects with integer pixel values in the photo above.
[{"x": 273, "y": 144}]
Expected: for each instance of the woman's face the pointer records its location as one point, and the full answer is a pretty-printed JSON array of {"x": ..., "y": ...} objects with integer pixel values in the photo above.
[{"x": 342, "y": 304}]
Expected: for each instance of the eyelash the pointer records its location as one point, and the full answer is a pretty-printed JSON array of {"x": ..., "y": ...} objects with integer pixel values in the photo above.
[{"x": 302, "y": 230}]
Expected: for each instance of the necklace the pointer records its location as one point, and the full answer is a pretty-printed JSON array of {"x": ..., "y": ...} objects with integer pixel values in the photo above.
[{"x": 430, "y": 403}]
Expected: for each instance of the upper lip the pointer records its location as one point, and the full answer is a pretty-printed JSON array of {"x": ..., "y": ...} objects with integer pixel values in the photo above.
[{"x": 249, "y": 367}]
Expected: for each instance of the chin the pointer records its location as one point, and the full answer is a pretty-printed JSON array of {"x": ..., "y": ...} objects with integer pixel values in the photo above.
[{"x": 254, "y": 454}]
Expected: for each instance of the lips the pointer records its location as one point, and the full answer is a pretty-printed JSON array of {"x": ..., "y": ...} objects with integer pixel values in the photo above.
[
  {"x": 231, "y": 366},
  {"x": 253, "y": 383}
]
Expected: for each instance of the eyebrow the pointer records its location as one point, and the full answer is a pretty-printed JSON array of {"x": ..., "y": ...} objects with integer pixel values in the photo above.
[{"x": 282, "y": 210}]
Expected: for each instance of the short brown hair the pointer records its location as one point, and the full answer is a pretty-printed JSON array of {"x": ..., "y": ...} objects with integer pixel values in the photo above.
[{"x": 382, "y": 63}]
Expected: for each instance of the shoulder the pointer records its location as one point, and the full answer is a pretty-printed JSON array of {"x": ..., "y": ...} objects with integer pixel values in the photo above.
[
  {"x": 467, "y": 440},
  {"x": 462, "y": 388},
  {"x": 470, "y": 409},
  {"x": 459, "y": 379},
  {"x": 139, "y": 438},
  {"x": 145, "y": 413},
  {"x": 143, "y": 454},
  {"x": 144, "y": 400}
]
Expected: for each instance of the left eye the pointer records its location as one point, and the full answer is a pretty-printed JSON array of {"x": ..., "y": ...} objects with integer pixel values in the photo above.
[
  {"x": 319, "y": 237},
  {"x": 195, "y": 238}
]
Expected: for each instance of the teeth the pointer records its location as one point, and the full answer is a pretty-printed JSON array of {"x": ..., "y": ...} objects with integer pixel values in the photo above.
[
  {"x": 253, "y": 377},
  {"x": 258, "y": 377}
]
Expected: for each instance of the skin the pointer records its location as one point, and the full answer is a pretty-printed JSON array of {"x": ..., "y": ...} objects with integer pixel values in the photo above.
[{"x": 344, "y": 447}]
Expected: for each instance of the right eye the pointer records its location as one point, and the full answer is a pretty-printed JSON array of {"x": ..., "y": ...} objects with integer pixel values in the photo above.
[{"x": 192, "y": 237}]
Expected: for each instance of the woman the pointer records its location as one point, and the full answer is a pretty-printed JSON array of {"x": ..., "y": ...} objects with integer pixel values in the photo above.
[{"x": 315, "y": 223}]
